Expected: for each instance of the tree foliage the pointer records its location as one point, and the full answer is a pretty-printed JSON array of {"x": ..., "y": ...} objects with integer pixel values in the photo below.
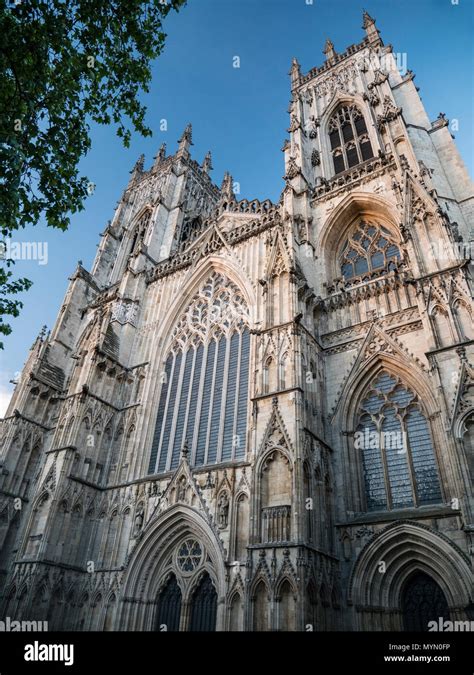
[{"x": 63, "y": 64}]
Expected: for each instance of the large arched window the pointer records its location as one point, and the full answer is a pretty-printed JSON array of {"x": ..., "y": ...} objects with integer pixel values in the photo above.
[
  {"x": 369, "y": 250},
  {"x": 204, "y": 392},
  {"x": 139, "y": 230},
  {"x": 350, "y": 143},
  {"x": 190, "y": 230},
  {"x": 398, "y": 457}
]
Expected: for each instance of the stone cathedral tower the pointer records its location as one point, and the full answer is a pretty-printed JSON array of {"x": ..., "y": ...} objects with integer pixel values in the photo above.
[{"x": 258, "y": 416}]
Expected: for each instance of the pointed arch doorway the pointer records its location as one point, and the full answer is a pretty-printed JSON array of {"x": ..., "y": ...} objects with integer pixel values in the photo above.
[
  {"x": 422, "y": 601},
  {"x": 204, "y": 606},
  {"x": 169, "y": 607}
]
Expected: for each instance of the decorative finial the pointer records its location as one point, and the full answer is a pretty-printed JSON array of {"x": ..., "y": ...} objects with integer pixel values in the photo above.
[
  {"x": 368, "y": 24},
  {"x": 42, "y": 333},
  {"x": 140, "y": 163},
  {"x": 207, "y": 163},
  {"x": 367, "y": 19},
  {"x": 185, "y": 143},
  {"x": 227, "y": 192},
  {"x": 185, "y": 449},
  {"x": 295, "y": 72},
  {"x": 187, "y": 135},
  {"x": 160, "y": 155},
  {"x": 328, "y": 47}
]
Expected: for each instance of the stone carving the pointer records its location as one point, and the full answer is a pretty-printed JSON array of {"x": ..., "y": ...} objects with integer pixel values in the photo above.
[
  {"x": 312, "y": 126},
  {"x": 138, "y": 523},
  {"x": 315, "y": 158},
  {"x": 390, "y": 112},
  {"x": 223, "y": 510},
  {"x": 293, "y": 169},
  {"x": 340, "y": 80},
  {"x": 124, "y": 312},
  {"x": 182, "y": 489},
  {"x": 294, "y": 125}
]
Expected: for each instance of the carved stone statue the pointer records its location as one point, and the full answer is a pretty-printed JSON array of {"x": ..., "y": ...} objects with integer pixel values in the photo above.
[
  {"x": 182, "y": 490},
  {"x": 223, "y": 510},
  {"x": 137, "y": 528}
]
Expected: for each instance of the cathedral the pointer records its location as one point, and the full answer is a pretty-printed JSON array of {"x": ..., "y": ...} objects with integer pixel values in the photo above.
[{"x": 257, "y": 416}]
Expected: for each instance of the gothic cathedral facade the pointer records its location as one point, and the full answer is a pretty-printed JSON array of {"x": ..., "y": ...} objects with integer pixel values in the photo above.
[{"x": 254, "y": 415}]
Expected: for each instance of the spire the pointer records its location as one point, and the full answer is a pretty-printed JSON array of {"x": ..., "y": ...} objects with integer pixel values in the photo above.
[
  {"x": 137, "y": 169},
  {"x": 185, "y": 142},
  {"x": 161, "y": 155},
  {"x": 329, "y": 51},
  {"x": 227, "y": 193},
  {"x": 207, "y": 163},
  {"x": 139, "y": 164},
  {"x": 295, "y": 73},
  {"x": 368, "y": 24}
]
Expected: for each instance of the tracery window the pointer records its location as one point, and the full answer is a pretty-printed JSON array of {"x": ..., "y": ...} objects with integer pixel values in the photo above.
[
  {"x": 139, "y": 230},
  {"x": 393, "y": 434},
  {"x": 350, "y": 144},
  {"x": 369, "y": 250},
  {"x": 204, "y": 392},
  {"x": 190, "y": 230},
  {"x": 189, "y": 555}
]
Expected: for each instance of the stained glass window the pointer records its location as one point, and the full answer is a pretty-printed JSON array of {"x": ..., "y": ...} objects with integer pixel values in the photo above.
[
  {"x": 189, "y": 555},
  {"x": 204, "y": 394},
  {"x": 370, "y": 248},
  {"x": 350, "y": 144},
  {"x": 398, "y": 457}
]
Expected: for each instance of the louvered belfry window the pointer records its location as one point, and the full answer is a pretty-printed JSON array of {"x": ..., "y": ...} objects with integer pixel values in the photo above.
[
  {"x": 204, "y": 391},
  {"x": 349, "y": 139},
  {"x": 393, "y": 435}
]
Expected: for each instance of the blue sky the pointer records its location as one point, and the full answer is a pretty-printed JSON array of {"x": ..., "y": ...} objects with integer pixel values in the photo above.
[{"x": 240, "y": 114}]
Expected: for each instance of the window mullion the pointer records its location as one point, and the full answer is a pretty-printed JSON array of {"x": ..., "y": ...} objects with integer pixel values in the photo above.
[
  {"x": 199, "y": 404},
  {"x": 383, "y": 453},
  {"x": 343, "y": 145},
  {"x": 223, "y": 398},
  {"x": 190, "y": 392},
  {"x": 356, "y": 140},
  {"x": 165, "y": 413},
  {"x": 177, "y": 402},
  {"x": 211, "y": 400},
  {"x": 411, "y": 467},
  {"x": 237, "y": 390}
]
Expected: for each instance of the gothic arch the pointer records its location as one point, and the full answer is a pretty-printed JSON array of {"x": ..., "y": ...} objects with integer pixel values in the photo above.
[
  {"x": 406, "y": 547},
  {"x": 341, "y": 220},
  {"x": 260, "y": 598},
  {"x": 340, "y": 99},
  {"x": 186, "y": 292},
  {"x": 272, "y": 508},
  {"x": 348, "y": 412},
  {"x": 357, "y": 383},
  {"x": 175, "y": 334},
  {"x": 463, "y": 317},
  {"x": 235, "y": 608},
  {"x": 155, "y": 553},
  {"x": 286, "y": 602},
  {"x": 285, "y": 579}
]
